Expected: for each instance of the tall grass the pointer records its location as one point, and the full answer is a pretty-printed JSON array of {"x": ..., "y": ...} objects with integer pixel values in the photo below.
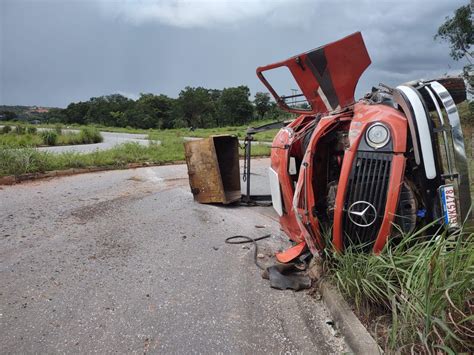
[
  {"x": 13, "y": 140},
  {"x": 49, "y": 137},
  {"x": 30, "y": 160},
  {"x": 87, "y": 135},
  {"x": 29, "y": 137},
  {"x": 22, "y": 161},
  {"x": 17, "y": 161},
  {"x": 425, "y": 285},
  {"x": 6, "y": 129}
]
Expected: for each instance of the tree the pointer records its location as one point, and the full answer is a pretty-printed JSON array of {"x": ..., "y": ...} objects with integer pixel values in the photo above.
[
  {"x": 154, "y": 111},
  {"x": 196, "y": 106},
  {"x": 234, "y": 106},
  {"x": 9, "y": 115},
  {"x": 119, "y": 118},
  {"x": 459, "y": 33},
  {"x": 55, "y": 115},
  {"x": 262, "y": 103},
  {"x": 76, "y": 112}
]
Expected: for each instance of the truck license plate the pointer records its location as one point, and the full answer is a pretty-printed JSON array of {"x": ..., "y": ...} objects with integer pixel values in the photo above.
[{"x": 448, "y": 204}]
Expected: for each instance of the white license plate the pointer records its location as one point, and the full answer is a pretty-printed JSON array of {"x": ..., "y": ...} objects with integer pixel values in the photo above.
[{"x": 448, "y": 204}]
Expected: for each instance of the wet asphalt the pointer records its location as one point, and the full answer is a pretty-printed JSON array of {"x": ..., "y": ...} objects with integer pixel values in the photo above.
[{"x": 127, "y": 262}]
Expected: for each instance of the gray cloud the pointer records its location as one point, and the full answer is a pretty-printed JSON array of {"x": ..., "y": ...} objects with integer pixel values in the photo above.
[
  {"x": 53, "y": 52},
  {"x": 208, "y": 13}
]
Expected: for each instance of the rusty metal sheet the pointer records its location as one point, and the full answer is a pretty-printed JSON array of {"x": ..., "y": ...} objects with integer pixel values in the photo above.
[{"x": 214, "y": 176}]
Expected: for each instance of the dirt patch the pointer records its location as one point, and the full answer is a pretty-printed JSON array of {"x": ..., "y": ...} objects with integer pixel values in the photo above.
[
  {"x": 136, "y": 178},
  {"x": 109, "y": 246},
  {"x": 100, "y": 209}
]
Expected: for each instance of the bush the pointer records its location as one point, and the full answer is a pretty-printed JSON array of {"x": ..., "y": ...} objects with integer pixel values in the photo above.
[
  {"x": 22, "y": 161},
  {"x": 90, "y": 135},
  {"x": 23, "y": 140},
  {"x": 59, "y": 129},
  {"x": 31, "y": 130},
  {"x": 49, "y": 137},
  {"x": 20, "y": 129},
  {"x": 6, "y": 129}
]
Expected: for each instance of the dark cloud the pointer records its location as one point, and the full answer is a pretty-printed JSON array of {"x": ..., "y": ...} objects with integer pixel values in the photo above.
[{"x": 53, "y": 52}]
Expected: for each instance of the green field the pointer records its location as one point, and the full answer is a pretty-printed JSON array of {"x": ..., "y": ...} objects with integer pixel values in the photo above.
[
  {"x": 29, "y": 136},
  {"x": 238, "y": 131}
]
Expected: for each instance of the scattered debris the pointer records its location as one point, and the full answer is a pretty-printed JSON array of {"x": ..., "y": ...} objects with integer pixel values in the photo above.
[
  {"x": 315, "y": 268},
  {"x": 287, "y": 276}
]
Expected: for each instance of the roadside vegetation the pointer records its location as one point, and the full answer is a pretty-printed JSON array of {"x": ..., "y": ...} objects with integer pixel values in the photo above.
[
  {"x": 29, "y": 160},
  {"x": 416, "y": 296},
  {"x": 171, "y": 149},
  {"x": 239, "y": 131},
  {"x": 20, "y": 136},
  {"x": 195, "y": 107}
]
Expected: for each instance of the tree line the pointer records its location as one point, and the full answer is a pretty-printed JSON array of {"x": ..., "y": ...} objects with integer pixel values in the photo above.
[{"x": 196, "y": 107}]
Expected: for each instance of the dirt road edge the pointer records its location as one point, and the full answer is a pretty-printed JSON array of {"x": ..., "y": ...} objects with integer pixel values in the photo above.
[{"x": 16, "y": 179}]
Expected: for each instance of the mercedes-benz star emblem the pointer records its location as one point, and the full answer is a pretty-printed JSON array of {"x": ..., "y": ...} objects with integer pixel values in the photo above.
[{"x": 362, "y": 213}]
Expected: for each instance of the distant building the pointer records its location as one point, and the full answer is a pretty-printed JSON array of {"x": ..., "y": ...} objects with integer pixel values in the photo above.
[{"x": 36, "y": 109}]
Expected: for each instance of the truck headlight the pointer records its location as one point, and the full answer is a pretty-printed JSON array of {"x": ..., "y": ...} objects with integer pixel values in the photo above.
[{"x": 377, "y": 136}]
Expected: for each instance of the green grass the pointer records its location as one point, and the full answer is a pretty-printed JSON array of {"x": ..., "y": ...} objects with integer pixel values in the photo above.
[
  {"x": 425, "y": 287},
  {"x": 238, "y": 131},
  {"x": 87, "y": 135},
  {"x": 78, "y": 126},
  {"x": 24, "y": 140},
  {"x": 21, "y": 138},
  {"x": 467, "y": 117},
  {"x": 29, "y": 160}
]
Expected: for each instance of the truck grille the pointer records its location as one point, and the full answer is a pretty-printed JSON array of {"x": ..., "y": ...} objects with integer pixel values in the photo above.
[{"x": 366, "y": 198}]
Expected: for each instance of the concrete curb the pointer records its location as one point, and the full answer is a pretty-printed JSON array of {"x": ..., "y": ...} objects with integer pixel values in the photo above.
[
  {"x": 356, "y": 335},
  {"x": 12, "y": 179}
]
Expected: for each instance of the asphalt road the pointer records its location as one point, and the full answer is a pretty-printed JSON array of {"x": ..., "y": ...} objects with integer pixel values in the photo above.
[{"x": 126, "y": 262}]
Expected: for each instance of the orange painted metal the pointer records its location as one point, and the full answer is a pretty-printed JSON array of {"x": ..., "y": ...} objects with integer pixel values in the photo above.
[
  {"x": 363, "y": 116},
  {"x": 291, "y": 253},
  {"x": 284, "y": 145},
  {"x": 330, "y": 72},
  {"x": 395, "y": 183},
  {"x": 327, "y": 77}
]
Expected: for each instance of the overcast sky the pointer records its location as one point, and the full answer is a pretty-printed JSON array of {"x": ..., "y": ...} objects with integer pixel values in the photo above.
[{"x": 53, "y": 52}]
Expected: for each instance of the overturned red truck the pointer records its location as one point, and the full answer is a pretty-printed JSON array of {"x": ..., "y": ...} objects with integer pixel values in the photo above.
[{"x": 356, "y": 169}]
